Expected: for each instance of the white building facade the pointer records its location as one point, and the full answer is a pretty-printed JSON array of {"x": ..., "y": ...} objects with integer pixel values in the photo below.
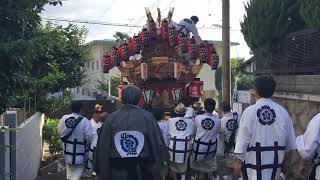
[{"x": 94, "y": 72}]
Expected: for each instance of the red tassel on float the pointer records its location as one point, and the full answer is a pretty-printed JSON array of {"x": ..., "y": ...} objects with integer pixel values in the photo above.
[
  {"x": 183, "y": 43},
  {"x": 164, "y": 29},
  {"x": 123, "y": 52},
  {"x": 106, "y": 63},
  {"x": 173, "y": 36},
  {"x": 115, "y": 56},
  {"x": 203, "y": 52},
  {"x": 193, "y": 49},
  {"x": 152, "y": 28},
  {"x": 215, "y": 63},
  {"x": 136, "y": 44},
  {"x": 144, "y": 37}
]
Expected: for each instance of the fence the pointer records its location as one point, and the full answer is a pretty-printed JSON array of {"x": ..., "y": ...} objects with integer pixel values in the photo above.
[
  {"x": 299, "y": 55},
  {"x": 88, "y": 108},
  {"x": 303, "y": 84},
  {"x": 22, "y": 159}
]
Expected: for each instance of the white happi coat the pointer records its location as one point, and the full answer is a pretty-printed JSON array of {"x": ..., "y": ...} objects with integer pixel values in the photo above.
[
  {"x": 164, "y": 127},
  {"x": 180, "y": 131},
  {"x": 185, "y": 27},
  {"x": 77, "y": 145},
  {"x": 95, "y": 132},
  {"x": 205, "y": 141},
  {"x": 265, "y": 134},
  {"x": 229, "y": 127},
  {"x": 308, "y": 145}
]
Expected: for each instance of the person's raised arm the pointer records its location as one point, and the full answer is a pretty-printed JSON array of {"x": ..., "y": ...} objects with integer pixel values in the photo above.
[{"x": 195, "y": 33}]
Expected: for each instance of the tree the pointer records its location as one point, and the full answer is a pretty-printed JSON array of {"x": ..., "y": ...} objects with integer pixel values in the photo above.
[
  {"x": 37, "y": 59},
  {"x": 19, "y": 21},
  {"x": 121, "y": 37},
  {"x": 310, "y": 11},
  {"x": 267, "y": 22},
  {"x": 104, "y": 87},
  {"x": 235, "y": 69}
]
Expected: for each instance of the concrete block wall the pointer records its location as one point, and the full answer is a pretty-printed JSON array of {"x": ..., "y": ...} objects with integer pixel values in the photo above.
[{"x": 29, "y": 147}]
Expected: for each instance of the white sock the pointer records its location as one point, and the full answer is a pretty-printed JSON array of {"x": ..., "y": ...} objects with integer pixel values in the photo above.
[
  {"x": 227, "y": 177},
  {"x": 183, "y": 177}
]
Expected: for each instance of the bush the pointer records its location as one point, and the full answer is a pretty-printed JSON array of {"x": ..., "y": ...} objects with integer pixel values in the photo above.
[
  {"x": 267, "y": 22},
  {"x": 50, "y": 134},
  {"x": 310, "y": 11},
  {"x": 244, "y": 82}
]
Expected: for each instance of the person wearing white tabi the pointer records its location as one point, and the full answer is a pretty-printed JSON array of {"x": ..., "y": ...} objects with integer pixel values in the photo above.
[
  {"x": 203, "y": 157},
  {"x": 308, "y": 146},
  {"x": 96, "y": 123},
  {"x": 229, "y": 127},
  {"x": 265, "y": 135},
  {"x": 76, "y": 134},
  {"x": 187, "y": 26},
  {"x": 130, "y": 144},
  {"x": 181, "y": 132}
]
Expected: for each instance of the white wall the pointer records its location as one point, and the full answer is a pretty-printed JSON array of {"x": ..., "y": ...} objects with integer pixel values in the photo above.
[
  {"x": 93, "y": 74},
  {"x": 29, "y": 147}
]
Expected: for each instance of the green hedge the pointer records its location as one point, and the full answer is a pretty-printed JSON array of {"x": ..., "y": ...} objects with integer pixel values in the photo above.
[{"x": 50, "y": 134}]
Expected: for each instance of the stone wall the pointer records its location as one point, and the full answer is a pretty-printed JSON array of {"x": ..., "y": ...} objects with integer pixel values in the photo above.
[{"x": 302, "y": 110}]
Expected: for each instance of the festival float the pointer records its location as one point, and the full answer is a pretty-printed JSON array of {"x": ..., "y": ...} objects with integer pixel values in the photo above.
[{"x": 162, "y": 63}]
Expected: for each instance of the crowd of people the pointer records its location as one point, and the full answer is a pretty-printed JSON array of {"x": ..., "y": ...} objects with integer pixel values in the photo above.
[{"x": 194, "y": 142}]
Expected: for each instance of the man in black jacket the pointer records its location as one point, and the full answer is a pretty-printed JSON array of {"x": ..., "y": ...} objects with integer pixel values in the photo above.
[{"x": 130, "y": 146}]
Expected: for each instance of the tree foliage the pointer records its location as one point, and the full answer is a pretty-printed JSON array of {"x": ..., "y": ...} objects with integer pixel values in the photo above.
[
  {"x": 104, "y": 87},
  {"x": 310, "y": 11},
  {"x": 121, "y": 37},
  {"x": 268, "y": 21},
  {"x": 50, "y": 134},
  {"x": 37, "y": 59}
]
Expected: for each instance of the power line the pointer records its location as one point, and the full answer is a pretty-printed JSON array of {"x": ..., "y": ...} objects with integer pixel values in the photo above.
[
  {"x": 94, "y": 22},
  {"x": 118, "y": 24}
]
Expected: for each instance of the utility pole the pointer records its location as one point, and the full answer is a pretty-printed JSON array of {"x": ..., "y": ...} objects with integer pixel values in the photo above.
[
  {"x": 226, "y": 90},
  {"x": 130, "y": 25}
]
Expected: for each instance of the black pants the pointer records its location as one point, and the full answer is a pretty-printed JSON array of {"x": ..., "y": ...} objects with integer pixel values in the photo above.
[{"x": 131, "y": 169}]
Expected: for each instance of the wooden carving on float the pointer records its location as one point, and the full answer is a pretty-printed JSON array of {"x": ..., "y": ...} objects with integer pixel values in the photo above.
[
  {"x": 160, "y": 58},
  {"x": 162, "y": 63}
]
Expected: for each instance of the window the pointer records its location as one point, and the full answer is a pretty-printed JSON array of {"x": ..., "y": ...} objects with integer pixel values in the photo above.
[
  {"x": 78, "y": 90},
  {"x": 97, "y": 65},
  {"x": 82, "y": 91},
  {"x": 95, "y": 94},
  {"x": 92, "y": 65},
  {"x": 88, "y": 93}
]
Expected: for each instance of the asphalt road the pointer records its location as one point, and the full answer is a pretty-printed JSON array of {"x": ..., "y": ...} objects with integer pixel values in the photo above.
[{"x": 57, "y": 176}]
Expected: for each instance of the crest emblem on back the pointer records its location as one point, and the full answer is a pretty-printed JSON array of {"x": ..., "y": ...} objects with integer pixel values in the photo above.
[
  {"x": 181, "y": 125},
  {"x": 266, "y": 115},
  {"x": 129, "y": 143},
  {"x": 232, "y": 125},
  {"x": 207, "y": 124},
  {"x": 70, "y": 122}
]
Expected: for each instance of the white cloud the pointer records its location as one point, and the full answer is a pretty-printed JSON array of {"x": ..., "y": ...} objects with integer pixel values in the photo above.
[{"x": 120, "y": 11}]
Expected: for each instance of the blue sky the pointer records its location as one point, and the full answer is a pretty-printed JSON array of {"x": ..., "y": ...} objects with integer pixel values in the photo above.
[{"x": 121, "y": 11}]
